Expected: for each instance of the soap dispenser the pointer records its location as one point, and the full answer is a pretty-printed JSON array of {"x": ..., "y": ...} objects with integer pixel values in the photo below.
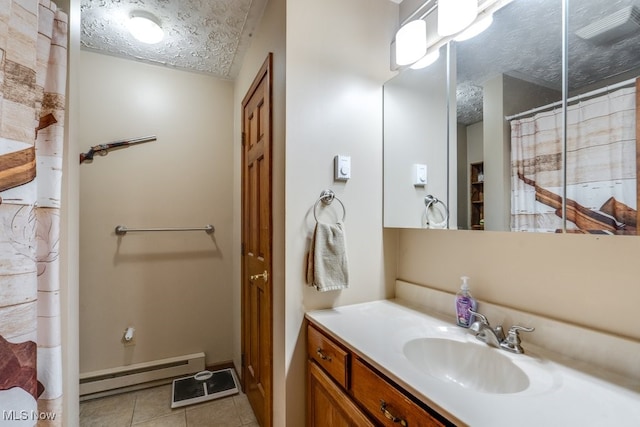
[{"x": 464, "y": 302}]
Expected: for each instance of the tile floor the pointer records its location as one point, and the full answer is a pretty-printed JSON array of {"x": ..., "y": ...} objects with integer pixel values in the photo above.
[{"x": 152, "y": 407}]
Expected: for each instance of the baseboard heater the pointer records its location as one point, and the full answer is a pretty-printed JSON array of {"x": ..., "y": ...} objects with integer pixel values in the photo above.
[{"x": 133, "y": 377}]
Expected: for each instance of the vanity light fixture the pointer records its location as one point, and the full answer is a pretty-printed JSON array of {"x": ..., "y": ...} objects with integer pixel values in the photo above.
[
  {"x": 411, "y": 42},
  {"x": 455, "y": 15},
  {"x": 145, "y": 27},
  {"x": 475, "y": 29},
  {"x": 426, "y": 60}
]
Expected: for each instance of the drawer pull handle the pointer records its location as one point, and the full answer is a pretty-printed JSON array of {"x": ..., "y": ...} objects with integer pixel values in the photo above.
[
  {"x": 390, "y": 416},
  {"x": 323, "y": 356}
]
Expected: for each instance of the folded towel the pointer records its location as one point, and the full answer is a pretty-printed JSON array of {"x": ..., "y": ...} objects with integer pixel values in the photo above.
[{"x": 327, "y": 268}]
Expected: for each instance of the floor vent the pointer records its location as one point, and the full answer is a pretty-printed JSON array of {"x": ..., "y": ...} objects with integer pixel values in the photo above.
[
  {"x": 203, "y": 386},
  {"x": 110, "y": 381}
]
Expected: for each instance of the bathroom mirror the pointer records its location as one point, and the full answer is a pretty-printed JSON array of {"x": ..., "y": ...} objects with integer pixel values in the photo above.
[
  {"x": 602, "y": 119},
  {"x": 509, "y": 81},
  {"x": 511, "y": 67},
  {"x": 415, "y": 136}
]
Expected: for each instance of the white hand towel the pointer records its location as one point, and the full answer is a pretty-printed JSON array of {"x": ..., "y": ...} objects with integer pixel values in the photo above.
[{"x": 327, "y": 268}]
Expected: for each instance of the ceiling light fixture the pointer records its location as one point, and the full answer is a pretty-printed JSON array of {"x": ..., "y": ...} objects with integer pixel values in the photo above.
[
  {"x": 411, "y": 42},
  {"x": 475, "y": 29},
  {"x": 426, "y": 60},
  {"x": 455, "y": 15},
  {"x": 145, "y": 27}
]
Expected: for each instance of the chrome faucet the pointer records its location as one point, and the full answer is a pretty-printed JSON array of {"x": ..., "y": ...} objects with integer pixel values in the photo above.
[
  {"x": 495, "y": 336},
  {"x": 484, "y": 332}
]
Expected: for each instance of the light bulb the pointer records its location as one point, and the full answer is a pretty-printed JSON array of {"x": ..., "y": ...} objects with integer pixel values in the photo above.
[
  {"x": 411, "y": 42},
  {"x": 426, "y": 60},
  {"x": 145, "y": 27}
]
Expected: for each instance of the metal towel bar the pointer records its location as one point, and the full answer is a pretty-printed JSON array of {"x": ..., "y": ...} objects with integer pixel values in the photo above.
[{"x": 121, "y": 230}]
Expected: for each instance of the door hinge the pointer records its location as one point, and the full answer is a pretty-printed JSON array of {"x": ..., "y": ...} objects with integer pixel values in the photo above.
[
  {"x": 242, "y": 360},
  {"x": 242, "y": 249},
  {"x": 244, "y": 137}
]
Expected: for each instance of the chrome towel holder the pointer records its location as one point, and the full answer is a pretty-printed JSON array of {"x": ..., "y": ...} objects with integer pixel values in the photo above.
[
  {"x": 431, "y": 201},
  {"x": 326, "y": 198},
  {"x": 121, "y": 230}
]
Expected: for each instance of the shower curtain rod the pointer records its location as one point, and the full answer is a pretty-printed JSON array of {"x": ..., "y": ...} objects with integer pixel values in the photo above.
[{"x": 594, "y": 92}]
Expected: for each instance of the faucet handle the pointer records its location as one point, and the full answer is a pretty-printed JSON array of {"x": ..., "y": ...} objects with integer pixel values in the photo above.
[
  {"x": 512, "y": 341},
  {"x": 515, "y": 328},
  {"x": 482, "y": 317}
]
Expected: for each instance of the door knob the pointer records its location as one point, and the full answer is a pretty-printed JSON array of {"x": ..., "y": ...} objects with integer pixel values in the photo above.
[{"x": 264, "y": 276}]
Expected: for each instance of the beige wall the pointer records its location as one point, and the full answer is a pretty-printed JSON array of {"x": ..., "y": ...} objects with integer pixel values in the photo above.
[
  {"x": 333, "y": 106},
  {"x": 337, "y": 61},
  {"x": 69, "y": 230},
  {"x": 175, "y": 288},
  {"x": 580, "y": 279}
]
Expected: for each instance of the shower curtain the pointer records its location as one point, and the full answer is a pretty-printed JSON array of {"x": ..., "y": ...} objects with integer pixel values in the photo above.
[
  {"x": 33, "y": 62},
  {"x": 601, "y": 195},
  {"x": 536, "y": 167}
]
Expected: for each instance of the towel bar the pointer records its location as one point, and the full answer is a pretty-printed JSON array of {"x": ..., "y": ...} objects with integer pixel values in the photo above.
[{"x": 121, "y": 230}]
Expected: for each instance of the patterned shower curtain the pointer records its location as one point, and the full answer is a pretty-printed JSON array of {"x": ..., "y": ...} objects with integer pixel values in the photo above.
[
  {"x": 536, "y": 168},
  {"x": 601, "y": 195},
  {"x": 33, "y": 68},
  {"x": 601, "y": 164}
]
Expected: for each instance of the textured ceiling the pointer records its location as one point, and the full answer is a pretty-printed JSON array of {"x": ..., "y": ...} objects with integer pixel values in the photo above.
[{"x": 207, "y": 36}]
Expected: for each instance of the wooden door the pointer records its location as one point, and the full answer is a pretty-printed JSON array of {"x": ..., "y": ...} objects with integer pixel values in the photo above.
[{"x": 256, "y": 246}]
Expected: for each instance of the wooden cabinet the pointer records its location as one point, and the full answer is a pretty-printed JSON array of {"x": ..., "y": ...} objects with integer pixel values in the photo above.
[
  {"x": 476, "y": 178},
  {"x": 343, "y": 390},
  {"x": 328, "y": 405}
]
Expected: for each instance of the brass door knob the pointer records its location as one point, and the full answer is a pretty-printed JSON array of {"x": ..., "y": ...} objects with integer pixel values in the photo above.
[{"x": 264, "y": 276}]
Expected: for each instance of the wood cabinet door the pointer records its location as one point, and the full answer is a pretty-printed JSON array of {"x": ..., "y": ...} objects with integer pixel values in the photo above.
[{"x": 328, "y": 405}]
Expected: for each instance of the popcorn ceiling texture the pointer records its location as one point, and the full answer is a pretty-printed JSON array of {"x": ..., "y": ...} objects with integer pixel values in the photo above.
[
  {"x": 208, "y": 36},
  {"x": 211, "y": 36}
]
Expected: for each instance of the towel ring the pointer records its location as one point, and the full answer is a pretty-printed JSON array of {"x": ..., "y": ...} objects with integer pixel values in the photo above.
[
  {"x": 326, "y": 197},
  {"x": 430, "y": 201}
]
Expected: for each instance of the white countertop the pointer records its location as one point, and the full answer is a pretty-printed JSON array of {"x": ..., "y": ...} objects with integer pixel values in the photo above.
[{"x": 558, "y": 395}]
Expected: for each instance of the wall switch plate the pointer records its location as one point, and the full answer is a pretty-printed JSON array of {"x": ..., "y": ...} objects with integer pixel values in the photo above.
[
  {"x": 419, "y": 175},
  {"x": 341, "y": 168}
]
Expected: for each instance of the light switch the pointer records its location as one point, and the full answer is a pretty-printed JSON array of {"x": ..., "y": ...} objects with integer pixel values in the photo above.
[
  {"x": 342, "y": 168},
  {"x": 419, "y": 175}
]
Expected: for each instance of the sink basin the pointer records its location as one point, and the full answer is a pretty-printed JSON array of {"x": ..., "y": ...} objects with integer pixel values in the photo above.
[{"x": 472, "y": 366}]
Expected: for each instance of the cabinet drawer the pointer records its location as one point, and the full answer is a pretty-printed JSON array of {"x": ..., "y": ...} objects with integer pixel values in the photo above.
[
  {"x": 328, "y": 354},
  {"x": 384, "y": 402}
]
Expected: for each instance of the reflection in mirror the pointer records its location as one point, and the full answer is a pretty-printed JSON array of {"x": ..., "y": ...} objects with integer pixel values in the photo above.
[
  {"x": 415, "y": 135},
  {"x": 603, "y": 66},
  {"x": 511, "y": 123},
  {"x": 513, "y": 66}
]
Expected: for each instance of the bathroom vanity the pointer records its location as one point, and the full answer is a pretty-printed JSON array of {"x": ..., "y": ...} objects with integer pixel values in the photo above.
[
  {"x": 388, "y": 363},
  {"x": 341, "y": 382}
]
